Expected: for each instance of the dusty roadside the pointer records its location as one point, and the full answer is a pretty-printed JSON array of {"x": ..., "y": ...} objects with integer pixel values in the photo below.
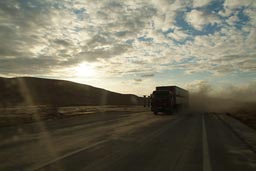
[
  {"x": 28, "y": 114},
  {"x": 246, "y": 133},
  {"x": 247, "y": 118}
]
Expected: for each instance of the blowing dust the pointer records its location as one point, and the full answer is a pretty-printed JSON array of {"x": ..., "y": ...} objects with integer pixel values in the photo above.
[{"x": 232, "y": 99}]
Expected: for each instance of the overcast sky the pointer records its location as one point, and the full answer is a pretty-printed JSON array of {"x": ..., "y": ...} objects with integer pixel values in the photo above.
[{"x": 131, "y": 46}]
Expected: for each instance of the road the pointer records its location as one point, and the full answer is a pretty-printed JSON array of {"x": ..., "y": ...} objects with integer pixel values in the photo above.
[{"x": 127, "y": 141}]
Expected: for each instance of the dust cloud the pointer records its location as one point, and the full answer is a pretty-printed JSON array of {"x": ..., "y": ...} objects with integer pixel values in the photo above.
[{"x": 229, "y": 99}]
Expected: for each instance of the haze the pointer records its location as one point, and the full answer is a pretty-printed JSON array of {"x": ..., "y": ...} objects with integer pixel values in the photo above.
[
  {"x": 132, "y": 46},
  {"x": 73, "y": 74}
]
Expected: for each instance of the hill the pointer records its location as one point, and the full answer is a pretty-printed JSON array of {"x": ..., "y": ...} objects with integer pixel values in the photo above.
[{"x": 38, "y": 91}]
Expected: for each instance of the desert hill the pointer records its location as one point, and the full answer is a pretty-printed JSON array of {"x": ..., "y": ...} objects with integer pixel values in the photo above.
[{"x": 38, "y": 91}]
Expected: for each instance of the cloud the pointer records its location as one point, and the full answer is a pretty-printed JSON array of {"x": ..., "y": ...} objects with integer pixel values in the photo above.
[
  {"x": 201, "y": 3},
  {"x": 25, "y": 65},
  {"x": 124, "y": 38},
  {"x": 138, "y": 80},
  {"x": 62, "y": 42},
  {"x": 178, "y": 34},
  {"x": 236, "y": 4},
  {"x": 200, "y": 19},
  {"x": 98, "y": 52},
  {"x": 148, "y": 75}
]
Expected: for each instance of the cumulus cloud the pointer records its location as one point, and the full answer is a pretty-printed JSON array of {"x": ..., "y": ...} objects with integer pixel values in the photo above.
[
  {"x": 128, "y": 37},
  {"x": 138, "y": 80},
  {"x": 201, "y": 3},
  {"x": 236, "y": 4},
  {"x": 178, "y": 34},
  {"x": 200, "y": 19},
  {"x": 147, "y": 75}
]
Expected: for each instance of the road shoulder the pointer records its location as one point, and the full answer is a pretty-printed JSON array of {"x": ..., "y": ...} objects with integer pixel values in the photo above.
[{"x": 244, "y": 132}]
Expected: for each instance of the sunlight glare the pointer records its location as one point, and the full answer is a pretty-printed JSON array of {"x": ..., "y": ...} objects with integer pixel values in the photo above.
[{"x": 84, "y": 70}]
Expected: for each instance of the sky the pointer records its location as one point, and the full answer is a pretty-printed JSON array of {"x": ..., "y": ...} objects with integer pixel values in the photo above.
[{"x": 132, "y": 46}]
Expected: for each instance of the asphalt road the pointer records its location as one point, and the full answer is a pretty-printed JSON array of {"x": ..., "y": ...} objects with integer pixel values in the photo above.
[{"x": 127, "y": 141}]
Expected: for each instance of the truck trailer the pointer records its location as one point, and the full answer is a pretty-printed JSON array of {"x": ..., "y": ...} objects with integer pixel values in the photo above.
[{"x": 169, "y": 99}]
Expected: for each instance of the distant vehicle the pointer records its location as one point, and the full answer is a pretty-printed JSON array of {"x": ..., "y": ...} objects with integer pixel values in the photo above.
[{"x": 169, "y": 99}]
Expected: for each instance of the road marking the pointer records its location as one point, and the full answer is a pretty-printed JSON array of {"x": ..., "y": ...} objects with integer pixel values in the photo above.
[{"x": 206, "y": 157}]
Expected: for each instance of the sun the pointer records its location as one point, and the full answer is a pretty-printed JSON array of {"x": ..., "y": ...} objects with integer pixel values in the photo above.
[{"x": 85, "y": 70}]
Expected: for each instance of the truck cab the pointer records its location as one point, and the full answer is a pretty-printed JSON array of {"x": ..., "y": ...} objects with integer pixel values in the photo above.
[
  {"x": 168, "y": 99},
  {"x": 161, "y": 101}
]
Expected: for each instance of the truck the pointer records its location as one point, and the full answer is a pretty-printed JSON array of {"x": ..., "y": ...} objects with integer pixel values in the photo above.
[{"x": 169, "y": 99}]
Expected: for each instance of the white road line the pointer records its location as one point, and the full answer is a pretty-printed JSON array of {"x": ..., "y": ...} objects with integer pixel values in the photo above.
[{"x": 206, "y": 157}]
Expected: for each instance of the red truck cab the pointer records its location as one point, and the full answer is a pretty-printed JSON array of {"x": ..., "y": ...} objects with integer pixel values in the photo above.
[
  {"x": 161, "y": 101},
  {"x": 168, "y": 99}
]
